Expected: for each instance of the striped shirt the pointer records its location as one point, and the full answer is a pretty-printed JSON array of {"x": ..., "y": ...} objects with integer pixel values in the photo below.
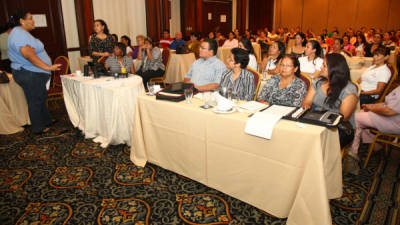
[
  {"x": 204, "y": 72},
  {"x": 156, "y": 60},
  {"x": 291, "y": 95},
  {"x": 115, "y": 67},
  {"x": 243, "y": 86}
]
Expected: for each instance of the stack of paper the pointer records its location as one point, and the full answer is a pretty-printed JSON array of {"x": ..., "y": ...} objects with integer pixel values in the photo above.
[
  {"x": 253, "y": 106},
  {"x": 261, "y": 124}
]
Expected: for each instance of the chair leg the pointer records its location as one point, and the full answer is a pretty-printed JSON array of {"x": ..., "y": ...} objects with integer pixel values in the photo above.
[{"x": 371, "y": 148}]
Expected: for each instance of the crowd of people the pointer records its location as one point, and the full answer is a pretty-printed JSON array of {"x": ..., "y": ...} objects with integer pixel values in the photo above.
[{"x": 287, "y": 54}]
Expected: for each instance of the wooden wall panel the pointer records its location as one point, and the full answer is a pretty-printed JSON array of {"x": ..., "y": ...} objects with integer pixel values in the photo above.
[
  {"x": 374, "y": 13},
  {"x": 291, "y": 13},
  {"x": 342, "y": 14},
  {"x": 394, "y": 17},
  {"x": 314, "y": 15},
  {"x": 319, "y": 14}
]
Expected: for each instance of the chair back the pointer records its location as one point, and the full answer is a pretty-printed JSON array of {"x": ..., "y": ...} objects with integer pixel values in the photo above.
[
  {"x": 307, "y": 80},
  {"x": 221, "y": 42},
  {"x": 347, "y": 52},
  {"x": 357, "y": 86},
  {"x": 64, "y": 68},
  {"x": 388, "y": 86},
  {"x": 257, "y": 80},
  {"x": 102, "y": 59}
]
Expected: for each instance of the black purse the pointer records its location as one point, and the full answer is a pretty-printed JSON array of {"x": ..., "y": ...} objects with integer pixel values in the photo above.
[{"x": 4, "y": 78}]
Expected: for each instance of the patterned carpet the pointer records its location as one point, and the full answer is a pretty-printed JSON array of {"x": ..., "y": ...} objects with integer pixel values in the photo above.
[{"x": 61, "y": 178}]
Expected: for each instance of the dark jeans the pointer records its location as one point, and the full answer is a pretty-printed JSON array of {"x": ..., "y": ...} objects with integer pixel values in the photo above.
[
  {"x": 367, "y": 99},
  {"x": 147, "y": 75},
  {"x": 34, "y": 86}
]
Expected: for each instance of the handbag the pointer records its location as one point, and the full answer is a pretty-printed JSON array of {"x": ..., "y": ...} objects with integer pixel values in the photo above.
[
  {"x": 346, "y": 128},
  {"x": 4, "y": 78}
]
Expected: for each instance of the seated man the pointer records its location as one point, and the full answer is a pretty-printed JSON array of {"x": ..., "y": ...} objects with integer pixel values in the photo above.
[
  {"x": 166, "y": 40},
  {"x": 178, "y": 41},
  {"x": 205, "y": 73}
]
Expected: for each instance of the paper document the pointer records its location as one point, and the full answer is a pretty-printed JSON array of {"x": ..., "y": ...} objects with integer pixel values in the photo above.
[
  {"x": 169, "y": 94},
  {"x": 262, "y": 124},
  {"x": 253, "y": 106},
  {"x": 279, "y": 110}
]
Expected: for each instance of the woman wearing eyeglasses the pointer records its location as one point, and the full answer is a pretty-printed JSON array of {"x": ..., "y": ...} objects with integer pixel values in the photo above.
[{"x": 287, "y": 88}]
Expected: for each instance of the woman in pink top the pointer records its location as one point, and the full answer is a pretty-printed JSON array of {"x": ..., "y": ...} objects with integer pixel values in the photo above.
[
  {"x": 348, "y": 46},
  {"x": 384, "y": 116}
]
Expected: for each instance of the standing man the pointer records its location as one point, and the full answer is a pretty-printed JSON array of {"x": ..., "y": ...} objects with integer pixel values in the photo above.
[{"x": 205, "y": 73}]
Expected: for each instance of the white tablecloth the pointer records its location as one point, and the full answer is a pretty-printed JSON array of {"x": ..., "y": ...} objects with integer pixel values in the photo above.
[
  {"x": 102, "y": 108},
  {"x": 13, "y": 108},
  {"x": 292, "y": 175},
  {"x": 178, "y": 66}
]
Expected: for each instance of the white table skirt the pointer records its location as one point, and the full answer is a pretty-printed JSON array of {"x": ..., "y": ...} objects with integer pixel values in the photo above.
[{"x": 102, "y": 108}]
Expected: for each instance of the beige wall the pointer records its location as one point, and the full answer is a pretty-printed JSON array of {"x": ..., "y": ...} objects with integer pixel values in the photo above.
[{"x": 319, "y": 14}]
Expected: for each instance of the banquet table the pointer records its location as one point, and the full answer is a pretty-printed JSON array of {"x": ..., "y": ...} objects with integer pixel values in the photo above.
[
  {"x": 13, "y": 108},
  {"x": 286, "y": 176},
  {"x": 102, "y": 108},
  {"x": 178, "y": 66}
]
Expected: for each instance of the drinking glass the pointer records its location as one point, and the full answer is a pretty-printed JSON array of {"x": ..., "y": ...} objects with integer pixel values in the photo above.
[
  {"x": 188, "y": 95},
  {"x": 265, "y": 73},
  {"x": 206, "y": 98},
  {"x": 150, "y": 87},
  {"x": 235, "y": 97}
]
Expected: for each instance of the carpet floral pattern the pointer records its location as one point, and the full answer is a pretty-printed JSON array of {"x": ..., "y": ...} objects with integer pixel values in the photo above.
[{"x": 63, "y": 178}]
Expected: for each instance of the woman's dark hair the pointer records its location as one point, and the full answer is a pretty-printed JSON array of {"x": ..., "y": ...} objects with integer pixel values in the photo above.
[
  {"x": 121, "y": 46},
  {"x": 318, "y": 50},
  {"x": 282, "y": 51},
  {"x": 150, "y": 41},
  {"x": 339, "y": 76},
  {"x": 231, "y": 32},
  {"x": 115, "y": 36},
  {"x": 348, "y": 38},
  {"x": 295, "y": 62},
  {"x": 196, "y": 35},
  {"x": 340, "y": 40},
  {"x": 212, "y": 45},
  {"x": 241, "y": 56},
  {"x": 322, "y": 37},
  {"x": 127, "y": 39},
  {"x": 14, "y": 20},
  {"x": 208, "y": 36},
  {"x": 247, "y": 45},
  {"x": 303, "y": 36},
  {"x": 381, "y": 50},
  {"x": 363, "y": 40},
  {"x": 106, "y": 31}
]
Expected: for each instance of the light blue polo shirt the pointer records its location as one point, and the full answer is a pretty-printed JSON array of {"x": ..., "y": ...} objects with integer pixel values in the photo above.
[
  {"x": 19, "y": 38},
  {"x": 204, "y": 72}
]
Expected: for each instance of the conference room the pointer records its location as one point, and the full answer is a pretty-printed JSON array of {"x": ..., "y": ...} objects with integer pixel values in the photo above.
[{"x": 199, "y": 112}]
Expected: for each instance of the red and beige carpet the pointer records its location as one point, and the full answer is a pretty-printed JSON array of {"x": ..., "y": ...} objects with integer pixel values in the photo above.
[{"x": 61, "y": 178}]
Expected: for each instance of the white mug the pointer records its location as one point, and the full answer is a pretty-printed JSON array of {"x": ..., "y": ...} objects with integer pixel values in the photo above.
[{"x": 78, "y": 73}]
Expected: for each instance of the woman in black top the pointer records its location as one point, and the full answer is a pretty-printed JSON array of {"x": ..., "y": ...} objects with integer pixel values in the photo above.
[{"x": 101, "y": 42}]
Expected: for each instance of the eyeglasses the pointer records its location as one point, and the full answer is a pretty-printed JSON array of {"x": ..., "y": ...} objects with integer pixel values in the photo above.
[{"x": 286, "y": 65}]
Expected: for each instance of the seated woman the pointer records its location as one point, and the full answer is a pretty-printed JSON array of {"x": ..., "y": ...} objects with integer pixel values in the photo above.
[
  {"x": 193, "y": 45},
  {"x": 337, "y": 47},
  {"x": 324, "y": 46},
  {"x": 140, "y": 43},
  {"x": 127, "y": 42},
  {"x": 334, "y": 92},
  {"x": 263, "y": 41},
  {"x": 152, "y": 65},
  {"x": 374, "y": 79},
  {"x": 311, "y": 63},
  {"x": 119, "y": 60},
  {"x": 384, "y": 116},
  {"x": 347, "y": 46},
  {"x": 246, "y": 45},
  {"x": 376, "y": 43},
  {"x": 231, "y": 42},
  {"x": 237, "y": 77},
  {"x": 300, "y": 42},
  {"x": 271, "y": 62},
  {"x": 360, "y": 44},
  {"x": 287, "y": 89},
  {"x": 101, "y": 43}
]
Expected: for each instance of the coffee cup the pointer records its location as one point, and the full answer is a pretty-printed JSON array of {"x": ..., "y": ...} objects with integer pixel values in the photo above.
[{"x": 78, "y": 73}]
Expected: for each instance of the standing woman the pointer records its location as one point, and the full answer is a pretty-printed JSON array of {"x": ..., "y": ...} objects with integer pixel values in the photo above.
[
  {"x": 101, "y": 43},
  {"x": 31, "y": 68}
]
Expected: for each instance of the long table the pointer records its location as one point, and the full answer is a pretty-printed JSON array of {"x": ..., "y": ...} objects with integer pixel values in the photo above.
[
  {"x": 102, "y": 108},
  {"x": 13, "y": 108},
  {"x": 292, "y": 175}
]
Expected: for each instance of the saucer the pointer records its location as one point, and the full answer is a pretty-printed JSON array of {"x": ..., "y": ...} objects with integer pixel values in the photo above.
[{"x": 224, "y": 111}]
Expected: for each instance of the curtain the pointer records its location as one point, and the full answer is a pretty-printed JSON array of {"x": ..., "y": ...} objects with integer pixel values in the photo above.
[{"x": 123, "y": 17}]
